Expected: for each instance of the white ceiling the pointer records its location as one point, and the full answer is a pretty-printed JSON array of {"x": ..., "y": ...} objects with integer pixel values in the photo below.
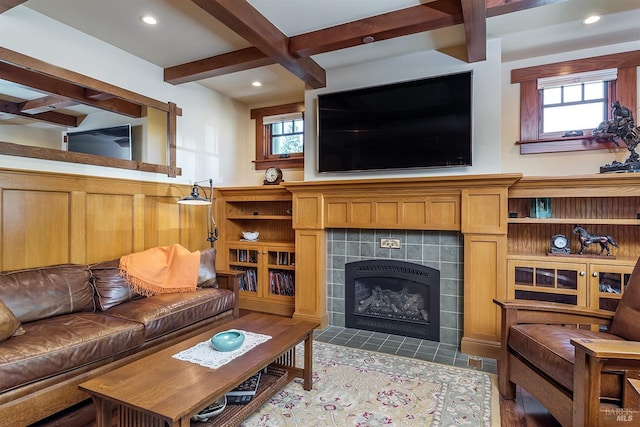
[{"x": 186, "y": 33}]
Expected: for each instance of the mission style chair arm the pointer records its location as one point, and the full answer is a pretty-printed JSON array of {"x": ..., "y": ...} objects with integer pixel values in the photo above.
[
  {"x": 529, "y": 311},
  {"x": 591, "y": 357}
]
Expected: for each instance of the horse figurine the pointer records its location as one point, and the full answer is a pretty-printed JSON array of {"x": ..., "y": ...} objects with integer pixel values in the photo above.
[{"x": 586, "y": 239}]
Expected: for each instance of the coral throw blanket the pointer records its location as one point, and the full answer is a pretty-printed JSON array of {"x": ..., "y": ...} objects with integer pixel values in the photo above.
[{"x": 161, "y": 270}]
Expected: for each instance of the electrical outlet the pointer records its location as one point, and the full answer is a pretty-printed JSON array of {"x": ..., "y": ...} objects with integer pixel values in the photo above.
[{"x": 390, "y": 243}]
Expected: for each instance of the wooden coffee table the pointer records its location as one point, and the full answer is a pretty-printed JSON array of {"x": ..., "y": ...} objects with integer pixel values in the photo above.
[{"x": 160, "y": 390}]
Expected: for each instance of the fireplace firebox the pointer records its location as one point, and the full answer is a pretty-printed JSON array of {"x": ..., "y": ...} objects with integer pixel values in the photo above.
[{"x": 394, "y": 297}]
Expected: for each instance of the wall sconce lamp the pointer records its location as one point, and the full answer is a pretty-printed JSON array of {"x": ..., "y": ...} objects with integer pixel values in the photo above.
[{"x": 196, "y": 199}]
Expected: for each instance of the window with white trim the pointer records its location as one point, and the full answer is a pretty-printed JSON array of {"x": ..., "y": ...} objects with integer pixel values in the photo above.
[
  {"x": 622, "y": 89},
  {"x": 285, "y": 134},
  {"x": 279, "y": 136},
  {"x": 575, "y": 102}
]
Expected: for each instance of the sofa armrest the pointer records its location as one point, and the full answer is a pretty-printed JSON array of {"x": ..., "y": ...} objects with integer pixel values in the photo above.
[{"x": 230, "y": 279}]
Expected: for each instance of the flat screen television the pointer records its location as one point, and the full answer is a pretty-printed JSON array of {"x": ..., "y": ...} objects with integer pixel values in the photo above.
[
  {"x": 109, "y": 142},
  {"x": 416, "y": 124}
]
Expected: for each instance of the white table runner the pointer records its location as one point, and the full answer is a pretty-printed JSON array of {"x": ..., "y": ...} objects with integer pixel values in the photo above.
[{"x": 205, "y": 355}]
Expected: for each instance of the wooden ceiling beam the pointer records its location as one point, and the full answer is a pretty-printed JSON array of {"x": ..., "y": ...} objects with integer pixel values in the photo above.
[
  {"x": 65, "y": 89},
  {"x": 248, "y": 23},
  {"x": 232, "y": 62},
  {"x": 96, "y": 94},
  {"x": 53, "y": 117},
  {"x": 475, "y": 29},
  {"x": 9, "y": 4},
  {"x": 403, "y": 22},
  {"x": 45, "y": 103}
]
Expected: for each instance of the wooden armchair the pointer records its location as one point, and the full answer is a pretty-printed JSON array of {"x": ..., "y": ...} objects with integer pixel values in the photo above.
[{"x": 580, "y": 364}]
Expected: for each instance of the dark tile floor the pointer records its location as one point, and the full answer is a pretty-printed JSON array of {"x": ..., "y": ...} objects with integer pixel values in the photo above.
[{"x": 416, "y": 348}]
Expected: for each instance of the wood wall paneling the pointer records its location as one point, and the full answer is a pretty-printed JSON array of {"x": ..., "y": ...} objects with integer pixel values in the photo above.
[
  {"x": 484, "y": 210},
  {"x": 53, "y": 218},
  {"x": 444, "y": 212},
  {"x": 307, "y": 210},
  {"x": 311, "y": 283},
  {"x": 109, "y": 231},
  {"x": 161, "y": 221},
  {"x": 35, "y": 228},
  {"x": 484, "y": 279}
]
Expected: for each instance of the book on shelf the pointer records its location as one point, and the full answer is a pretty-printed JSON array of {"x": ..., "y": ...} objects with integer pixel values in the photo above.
[
  {"x": 248, "y": 282},
  {"x": 281, "y": 282}
]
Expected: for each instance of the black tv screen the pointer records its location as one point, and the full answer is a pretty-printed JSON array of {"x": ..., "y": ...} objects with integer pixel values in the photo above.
[
  {"x": 416, "y": 124},
  {"x": 109, "y": 142}
]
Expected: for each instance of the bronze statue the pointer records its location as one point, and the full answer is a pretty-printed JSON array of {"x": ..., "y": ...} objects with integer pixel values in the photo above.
[{"x": 620, "y": 128}]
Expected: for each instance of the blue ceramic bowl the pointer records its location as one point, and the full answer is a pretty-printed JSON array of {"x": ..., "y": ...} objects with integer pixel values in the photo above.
[{"x": 227, "y": 340}]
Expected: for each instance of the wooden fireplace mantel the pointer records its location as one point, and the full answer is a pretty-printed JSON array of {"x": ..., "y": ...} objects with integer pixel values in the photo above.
[{"x": 475, "y": 205}]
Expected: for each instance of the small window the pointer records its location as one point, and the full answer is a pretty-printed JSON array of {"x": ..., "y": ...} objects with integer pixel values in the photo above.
[
  {"x": 286, "y": 136},
  {"x": 279, "y": 136},
  {"x": 574, "y": 102},
  {"x": 574, "y": 107},
  {"x": 563, "y": 94}
]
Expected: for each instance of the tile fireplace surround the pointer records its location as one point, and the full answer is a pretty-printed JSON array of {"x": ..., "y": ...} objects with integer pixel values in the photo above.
[
  {"x": 442, "y": 250},
  {"x": 472, "y": 208}
]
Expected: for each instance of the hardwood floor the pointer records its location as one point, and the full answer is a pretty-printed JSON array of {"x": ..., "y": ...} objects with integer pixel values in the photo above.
[{"x": 525, "y": 411}]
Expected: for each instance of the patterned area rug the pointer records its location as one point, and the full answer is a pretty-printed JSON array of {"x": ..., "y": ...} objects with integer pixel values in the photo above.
[{"x": 363, "y": 388}]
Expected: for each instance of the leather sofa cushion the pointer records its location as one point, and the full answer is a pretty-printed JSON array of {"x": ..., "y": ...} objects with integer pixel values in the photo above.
[
  {"x": 549, "y": 349},
  {"x": 165, "y": 313},
  {"x": 625, "y": 320},
  {"x": 207, "y": 271},
  {"x": 38, "y": 293},
  {"x": 111, "y": 289},
  {"x": 63, "y": 343}
]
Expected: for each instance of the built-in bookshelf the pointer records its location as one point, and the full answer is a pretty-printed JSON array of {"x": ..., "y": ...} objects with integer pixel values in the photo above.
[{"x": 269, "y": 262}]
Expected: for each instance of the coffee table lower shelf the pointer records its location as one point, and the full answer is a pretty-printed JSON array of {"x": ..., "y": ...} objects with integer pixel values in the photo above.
[{"x": 270, "y": 383}]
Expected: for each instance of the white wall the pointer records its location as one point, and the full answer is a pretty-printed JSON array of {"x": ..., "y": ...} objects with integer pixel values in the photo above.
[
  {"x": 552, "y": 164},
  {"x": 487, "y": 116},
  {"x": 209, "y": 130}
]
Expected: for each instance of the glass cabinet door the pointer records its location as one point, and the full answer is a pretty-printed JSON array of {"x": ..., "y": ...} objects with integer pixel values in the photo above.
[
  {"x": 245, "y": 259},
  {"x": 281, "y": 267},
  {"x": 547, "y": 281},
  {"x": 607, "y": 284}
]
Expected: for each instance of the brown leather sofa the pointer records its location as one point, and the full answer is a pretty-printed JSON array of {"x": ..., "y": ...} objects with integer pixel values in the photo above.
[
  {"x": 577, "y": 362},
  {"x": 83, "y": 320}
]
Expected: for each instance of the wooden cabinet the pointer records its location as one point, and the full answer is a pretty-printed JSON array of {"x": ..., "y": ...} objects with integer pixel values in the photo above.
[
  {"x": 583, "y": 282},
  {"x": 269, "y": 262},
  {"x": 269, "y": 282},
  {"x": 606, "y": 205},
  {"x": 544, "y": 280}
]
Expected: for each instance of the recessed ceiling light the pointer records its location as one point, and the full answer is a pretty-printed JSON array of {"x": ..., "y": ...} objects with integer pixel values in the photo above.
[
  {"x": 256, "y": 84},
  {"x": 591, "y": 20},
  {"x": 148, "y": 19}
]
